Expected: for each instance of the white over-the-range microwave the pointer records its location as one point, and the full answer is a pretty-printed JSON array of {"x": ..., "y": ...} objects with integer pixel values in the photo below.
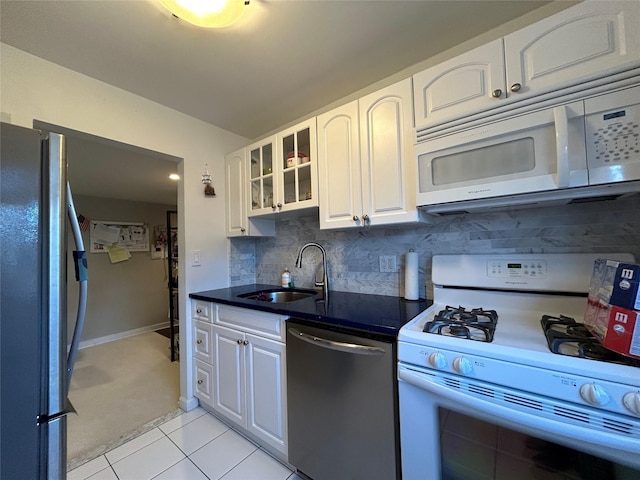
[{"x": 582, "y": 150}]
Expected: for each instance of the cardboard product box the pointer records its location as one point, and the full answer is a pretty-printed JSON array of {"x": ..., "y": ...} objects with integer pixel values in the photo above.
[
  {"x": 616, "y": 283},
  {"x": 617, "y": 328}
]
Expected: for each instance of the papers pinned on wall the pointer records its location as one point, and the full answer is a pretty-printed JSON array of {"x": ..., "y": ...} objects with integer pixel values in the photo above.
[{"x": 119, "y": 239}]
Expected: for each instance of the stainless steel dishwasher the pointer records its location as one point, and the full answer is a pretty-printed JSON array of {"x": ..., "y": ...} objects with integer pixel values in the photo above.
[{"x": 342, "y": 404}]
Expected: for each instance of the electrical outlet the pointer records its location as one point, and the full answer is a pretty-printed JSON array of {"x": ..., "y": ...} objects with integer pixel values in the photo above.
[{"x": 388, "y": 263}]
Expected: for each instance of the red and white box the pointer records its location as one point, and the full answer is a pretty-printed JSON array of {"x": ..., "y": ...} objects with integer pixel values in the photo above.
[{"x": 617, "y": 328}]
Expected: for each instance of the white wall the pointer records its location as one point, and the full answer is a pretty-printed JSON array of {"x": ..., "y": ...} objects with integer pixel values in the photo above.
[{"x": 34, "y": 89}]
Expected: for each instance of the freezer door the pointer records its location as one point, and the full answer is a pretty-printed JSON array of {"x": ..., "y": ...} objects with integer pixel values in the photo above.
[{"x": 33, "y": 304}]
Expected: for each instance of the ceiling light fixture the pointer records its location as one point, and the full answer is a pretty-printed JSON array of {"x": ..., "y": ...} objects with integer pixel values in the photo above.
[
  {"x": 207, "y": 13},
  {"x": 174, "y": 176}
]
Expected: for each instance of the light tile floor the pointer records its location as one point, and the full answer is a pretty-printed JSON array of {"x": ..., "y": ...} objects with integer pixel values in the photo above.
[{"x": 192, "y": 446}]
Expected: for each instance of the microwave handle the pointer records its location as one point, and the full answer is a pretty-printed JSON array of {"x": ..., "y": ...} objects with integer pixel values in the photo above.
[{"x": 562, "y": 145}]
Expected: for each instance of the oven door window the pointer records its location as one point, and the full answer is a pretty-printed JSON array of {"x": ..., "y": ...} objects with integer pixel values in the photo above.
[{"x": 472, "y": 449}]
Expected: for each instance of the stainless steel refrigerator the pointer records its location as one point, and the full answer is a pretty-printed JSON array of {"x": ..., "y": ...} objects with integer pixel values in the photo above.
[{"x": 35, "y": 361}]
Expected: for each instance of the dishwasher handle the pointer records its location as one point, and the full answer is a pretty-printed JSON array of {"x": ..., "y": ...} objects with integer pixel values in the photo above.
[{"x": 339, "y": 346}]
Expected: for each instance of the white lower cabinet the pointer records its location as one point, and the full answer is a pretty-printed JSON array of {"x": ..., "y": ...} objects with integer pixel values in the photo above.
[{"x": 247, "y": 380}]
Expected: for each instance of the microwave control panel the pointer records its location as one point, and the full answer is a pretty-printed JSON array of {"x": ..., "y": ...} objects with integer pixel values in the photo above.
[
  {"x": 613, "y": 130},
  {"x": 517, "y": 269}
]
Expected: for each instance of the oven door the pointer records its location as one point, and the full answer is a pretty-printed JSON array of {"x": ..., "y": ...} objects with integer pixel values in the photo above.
[
  {"x": 448, "y": 434},
  {"x": 538, "y": 151}
]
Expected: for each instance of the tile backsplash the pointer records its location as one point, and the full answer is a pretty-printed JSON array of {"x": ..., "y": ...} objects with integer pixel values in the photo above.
[{"x": 353, "y": 254}]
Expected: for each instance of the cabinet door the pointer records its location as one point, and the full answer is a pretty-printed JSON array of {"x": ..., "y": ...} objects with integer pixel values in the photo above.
[
  {"x": 262, "y": 177},
  {"x": 581, "y": 43},
  {"x": 229, "y": 390},
  {"x": 202, "y": 343},
  {"x": 266, "y": 391},
  {"x": 469, "y": 83},
  {"x": 236, "y": 198},
  {"x": 203, "y": 378},
  {"x": 297, "y": 167},
  {"x": 339, "y": 172},
  {"x": 388, "y": 166}
]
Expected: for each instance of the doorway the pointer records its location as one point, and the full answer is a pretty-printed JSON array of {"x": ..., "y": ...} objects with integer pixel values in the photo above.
[{"x": 124, "y": 379}]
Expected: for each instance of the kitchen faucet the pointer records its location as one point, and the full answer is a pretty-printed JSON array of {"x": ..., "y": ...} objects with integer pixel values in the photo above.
[{"x": 325, "y": 279}]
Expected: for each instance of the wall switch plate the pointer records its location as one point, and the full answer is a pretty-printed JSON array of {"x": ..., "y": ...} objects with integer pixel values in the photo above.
[
  {"x": 388, "y": 264},
  {"x": 195, "y": 258}
]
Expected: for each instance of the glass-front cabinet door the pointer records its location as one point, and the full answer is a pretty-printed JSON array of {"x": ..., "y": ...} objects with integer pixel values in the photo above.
[
  {"x": 297, "y": 164},
  {"x": 262, "y": 187}
]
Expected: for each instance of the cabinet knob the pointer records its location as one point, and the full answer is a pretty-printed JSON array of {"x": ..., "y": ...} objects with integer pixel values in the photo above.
[
  {"x": 365, "y": 218},
  {"x": 243, "y": 229},
  {"x": 273, "y": 206},
  {"x": 246, "y": 342},
  {"x": 497, "y": 93},
  {"x": 356, "y": 218},
  {"x": 516, "y": 87},
  {"x": 239, "y": 342},
  {"x": 200, "y": 382},
  {"x": 279, "y": 205},
  {"x": 199, "y": 342},
  {"x": 199, "y": 310}
]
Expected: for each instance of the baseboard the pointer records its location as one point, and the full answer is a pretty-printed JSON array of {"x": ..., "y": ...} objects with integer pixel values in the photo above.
[
  {"x": 117, "y": 336},
  {"x": 188, "y": 404}
]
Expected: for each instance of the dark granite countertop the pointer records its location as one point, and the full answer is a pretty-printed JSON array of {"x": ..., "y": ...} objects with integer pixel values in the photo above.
[{"x": 374, "y": 314}]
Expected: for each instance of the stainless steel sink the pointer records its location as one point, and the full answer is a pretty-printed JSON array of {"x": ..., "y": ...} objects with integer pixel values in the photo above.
[{"x": 279, "y": 295}]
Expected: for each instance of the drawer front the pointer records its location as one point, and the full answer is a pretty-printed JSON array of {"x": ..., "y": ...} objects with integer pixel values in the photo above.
[
  {"x": 202, "y": 345},
  {"x": 202, "y": 310},
  {"x": 203, "y": 381},
  {"x": 265, "y": 324}
]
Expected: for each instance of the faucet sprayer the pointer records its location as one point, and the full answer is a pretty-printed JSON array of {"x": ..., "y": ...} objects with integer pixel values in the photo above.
[{"x": 325, "y": 279}]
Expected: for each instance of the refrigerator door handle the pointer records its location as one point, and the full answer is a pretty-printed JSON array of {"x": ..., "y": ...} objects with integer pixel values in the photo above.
[{"x": 80, "y": 262}]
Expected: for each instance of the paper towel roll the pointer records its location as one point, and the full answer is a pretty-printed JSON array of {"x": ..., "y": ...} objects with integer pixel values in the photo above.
[{"x": 411, "y": 276}]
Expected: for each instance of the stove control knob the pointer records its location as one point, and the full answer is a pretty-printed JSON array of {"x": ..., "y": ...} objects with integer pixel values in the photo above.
[
  {"x": 462, "y": 365},
  {"x": 594, "y": 394},
  {"x": 631, "y": 402},
  {"x": 438, "y": 360}
]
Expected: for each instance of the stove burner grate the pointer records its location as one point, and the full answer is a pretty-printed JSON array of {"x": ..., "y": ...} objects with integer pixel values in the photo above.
[
  {"x": 565, "y": 336},
  {"x": 475, "y": 324}
]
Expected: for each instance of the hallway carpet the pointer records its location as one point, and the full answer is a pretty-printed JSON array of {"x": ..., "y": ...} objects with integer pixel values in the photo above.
[{"x": 120, "y": 389}]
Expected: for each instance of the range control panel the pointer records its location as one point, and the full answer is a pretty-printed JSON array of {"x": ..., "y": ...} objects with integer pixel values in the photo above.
[{"x": 514, "y": 268}]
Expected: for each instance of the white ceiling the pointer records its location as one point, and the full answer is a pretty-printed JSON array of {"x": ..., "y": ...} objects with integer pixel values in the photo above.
[{"x": 280, "y": 62}]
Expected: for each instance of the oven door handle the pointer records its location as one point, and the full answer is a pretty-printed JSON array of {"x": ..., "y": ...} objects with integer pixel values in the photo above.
[
  {"x": 555, "y": 428},
  {"x": 339, "y": 346}
]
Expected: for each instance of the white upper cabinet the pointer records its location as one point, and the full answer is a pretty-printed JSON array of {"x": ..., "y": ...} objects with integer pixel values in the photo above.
[
  {"x": 591, "y": 40},
  {"x": 365, "y": 151},
  {"x": 283, "y": 171},
  {"x": 262, "y": 176},
  {"x": 237, "y": 198},
  {"x": 297, "y": 167},
  {"x": 339, "y": 167},
  {"x": 460, "y": 86},
  {"x": 585, "y": 43}
]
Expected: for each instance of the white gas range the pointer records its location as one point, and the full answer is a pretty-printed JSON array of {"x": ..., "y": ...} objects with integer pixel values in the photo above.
[{"x": 514, "y": 381}]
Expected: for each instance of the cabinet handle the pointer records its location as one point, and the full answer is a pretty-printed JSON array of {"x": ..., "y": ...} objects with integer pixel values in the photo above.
[
  {"x": 365, "y": 218},
  {"x": 199, "y": 342},
  {"x": 516, "y": 87},
  {"x": 356, "y": 218},
  {"x": 199, "y": 311},
  {"x": 200, "y": 382},
  {"x": 279, "y": 205},
  {"x": 239, "y": 342},
  {"x": 273, "y": 206},
  {"x": 243, "y": 229},
  {"x": 246, "y": 342},
  {"x": 497, "y": 93}
]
